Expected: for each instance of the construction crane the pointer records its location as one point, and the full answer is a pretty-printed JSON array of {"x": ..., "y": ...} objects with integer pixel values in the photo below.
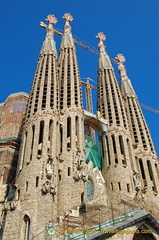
[
  {"x": 149, "y": 108},
  {"x": 88, "y": 91}
]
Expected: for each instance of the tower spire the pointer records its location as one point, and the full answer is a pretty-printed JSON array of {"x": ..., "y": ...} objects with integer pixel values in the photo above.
[
  {"x": 119, "y": 153},
  {"x": 104, "y": 60},
  {"x": 48, "y": 46},
  {"x": 71, "y": 122},
  {"x": 126, "y": 86},
  {"x": 67, "y": 40}
]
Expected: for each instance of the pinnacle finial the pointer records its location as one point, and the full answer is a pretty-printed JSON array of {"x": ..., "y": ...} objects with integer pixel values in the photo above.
[
  {"x": 121, "y": 59},
  {"x": 101, "y": 38},
  {"x": 49, "y": 44},
  {"x": 68, "y": 17},
  {"x": 52, "y": 21}
]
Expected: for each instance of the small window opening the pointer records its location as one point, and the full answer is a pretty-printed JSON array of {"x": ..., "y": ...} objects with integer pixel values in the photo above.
[
  {"x": 37, "y": 181},
  {"x": 26, "y": 186},
  {"x": 128, "y": 188},
  {"x": 119, "y": 186},
  {"x": 142, "y": 169},
  {"x": 41, "y": 138},
  {"x": 69, "y": 171}
]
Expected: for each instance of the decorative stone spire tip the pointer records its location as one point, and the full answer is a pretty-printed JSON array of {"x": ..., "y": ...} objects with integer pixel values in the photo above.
[
  {"x": 68, "y": 17},
  {"x": 121, "y": 59},
  {"x": 101, "y": 38},
  {"x": 52, "y": 21},
  {"x": 49, "y": 44}
]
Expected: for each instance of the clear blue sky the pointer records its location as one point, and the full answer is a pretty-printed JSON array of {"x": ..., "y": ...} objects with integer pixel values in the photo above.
[{"x": 131, "y": 27}]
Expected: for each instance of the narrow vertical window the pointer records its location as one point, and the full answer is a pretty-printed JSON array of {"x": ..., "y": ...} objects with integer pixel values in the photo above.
[
  {"x": 142, "y": 169},
  {"x": 121, "y": 144},
  {"x": 82, "y": 197},
  {"x": 26, "y": 186},
  {"x": 128, "y": 188},
  {"x": 24, "y": 151},
  {"x": 61, "y": 138},
  {"x": 37, "y": 181},
  {"x": 69, "y": 171},
  {"x": 18, "y": 194},
  {"x": 114, "y": 145},
  {"x": 41, "y": 133},
  {"x": 77, "y": 132},
  {"x": 129, "y": 152},
  {"x": 119, "y": 186},
  {"x": 151, "y": 175},
  {"x": 32, "y": 142},
  {"x": 111, "y": 185},
  {"x": 68, "y": 133},
  {"x": 122, "y": 149},
  {"x": 26, "y": 227},
  {"x": 50, "y": 136},
  {"x": 150, "y": 170},
  {"x": 109, "y": 161}
]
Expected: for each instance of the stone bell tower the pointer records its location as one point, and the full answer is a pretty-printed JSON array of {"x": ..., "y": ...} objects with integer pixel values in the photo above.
[
  {"x": 119, "y": 158},
  {"x": 36, "y": 182},
  {"x": 51, "y": 176},
  {"x": 71, "y": 146},
  {"x": 145, "y": 155}
]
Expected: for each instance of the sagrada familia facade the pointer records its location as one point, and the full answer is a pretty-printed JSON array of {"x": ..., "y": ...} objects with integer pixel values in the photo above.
[{"x": 58, "y": 180}]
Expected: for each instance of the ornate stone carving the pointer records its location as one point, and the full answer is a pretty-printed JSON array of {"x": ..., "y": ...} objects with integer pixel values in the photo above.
[
  {"x": 51, "y": 19},
  {"x": 80, "y": 175},
  {"x": 99, "y": 116},
  {"x": 68, "y": 17},
  {"x": 49, "y": 187},
  {"x": 77, "y": 175},
  {"x": 84, "y": 176},
  {"x": 101, "y": 36},
  {"x": 49, "y": 168},
  {"x": 121, "y": 59},
  {"x": 136, "y": 181},
  {"x": 78, "y": 161},
  {"x": 10, "y": 205}
]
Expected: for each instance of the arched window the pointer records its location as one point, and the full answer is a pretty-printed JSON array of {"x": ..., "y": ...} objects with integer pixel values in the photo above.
[
  {"x": 142, "y": 169},
  {"x": 114, "y": 144},
  {"x": 68, "y": 133},
  {"x": 50, "y": 137},
  {"x": 41, "y": 133},
  {"x": 32, "y": 141},
  {"x": 26, "y": 227}
]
